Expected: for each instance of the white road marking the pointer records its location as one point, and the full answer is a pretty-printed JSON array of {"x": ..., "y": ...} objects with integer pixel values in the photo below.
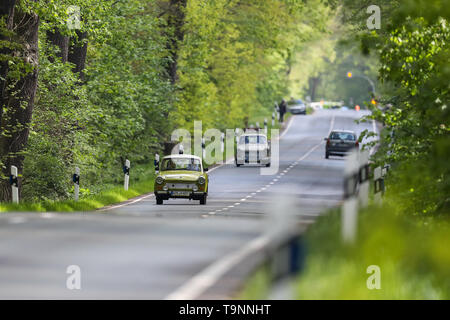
[
  {"x": 287, "y": 129},
  {"x": 197, "y": 285},
  {"x": 128, "y": 203}
]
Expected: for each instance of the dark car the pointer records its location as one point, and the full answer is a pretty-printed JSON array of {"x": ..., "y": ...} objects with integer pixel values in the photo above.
[{"x": 340, "y": 143}]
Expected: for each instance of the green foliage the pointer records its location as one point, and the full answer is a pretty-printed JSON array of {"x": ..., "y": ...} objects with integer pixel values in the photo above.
[
  {"x": 233, "y": 62},
  {"x": 410, "y": 254}
]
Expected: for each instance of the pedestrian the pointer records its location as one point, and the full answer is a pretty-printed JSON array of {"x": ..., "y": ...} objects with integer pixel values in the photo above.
[{"x": 283, "y": 107}]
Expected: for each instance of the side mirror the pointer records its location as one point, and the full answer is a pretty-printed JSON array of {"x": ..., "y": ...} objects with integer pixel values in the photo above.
[
  {"x": 325, "y": 139},
  {"x": 205, "y": 169}
]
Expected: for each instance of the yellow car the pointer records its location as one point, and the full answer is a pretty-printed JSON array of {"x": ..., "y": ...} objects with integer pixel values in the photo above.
[{"x": 181, "y": 176}]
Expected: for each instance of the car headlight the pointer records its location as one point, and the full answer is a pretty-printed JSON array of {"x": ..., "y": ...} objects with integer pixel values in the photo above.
[
  {"x": 201, "y": 180},
  {"x": 159, "y": 180},
  {"x": 195, "y": 188}
]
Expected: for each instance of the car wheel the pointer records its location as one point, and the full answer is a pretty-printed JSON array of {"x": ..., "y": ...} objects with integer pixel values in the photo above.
[
  {"x": 237, "y": 164},
  {"x": 327, "y": 155},
  {"x": 268, "y": 165},
  {"x": 203, "y": 199},
  {"x": 159, "y": 201}
]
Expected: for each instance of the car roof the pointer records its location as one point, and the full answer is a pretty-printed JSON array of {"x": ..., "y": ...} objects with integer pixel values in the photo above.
[
  {"x": 181, "y": 156},
  {"x": 343, "y": 131}
]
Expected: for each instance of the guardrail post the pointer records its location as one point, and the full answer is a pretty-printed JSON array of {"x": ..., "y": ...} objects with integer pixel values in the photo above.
[
  {"x": 13, "y": 180},
  {"x": 364, "y": 180},
  {"x": 378, "y": 185},
  {"x": 349, "y": 215},
  {"x": 126, "y": 171},
  {"x": 76, "y": 183}
]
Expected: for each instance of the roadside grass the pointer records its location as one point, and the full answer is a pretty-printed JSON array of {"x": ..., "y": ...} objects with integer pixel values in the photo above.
[
  {"x": 110, "y": 195},
  {"x": 411, "y": 252}
]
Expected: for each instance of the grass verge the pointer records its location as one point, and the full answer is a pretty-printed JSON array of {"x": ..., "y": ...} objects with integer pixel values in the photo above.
[
  {"x": 411, "y": 252},
  {"x": 106, "y": 197}
]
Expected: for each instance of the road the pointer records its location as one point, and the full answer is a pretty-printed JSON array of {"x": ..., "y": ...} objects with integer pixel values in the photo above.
[{"x": 181, "y": 249}]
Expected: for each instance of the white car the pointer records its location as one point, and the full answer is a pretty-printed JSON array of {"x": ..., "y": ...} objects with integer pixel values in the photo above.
[{"x": 252, "y": 148}]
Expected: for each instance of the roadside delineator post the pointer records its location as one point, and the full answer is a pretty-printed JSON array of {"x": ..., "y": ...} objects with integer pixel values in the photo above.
[
  {"x": 222, "y": 143},
  {"x": 126, "y": 171},
  {"x": 14, "y": 182},
  {"x": 203, "y": 148},
  {"x": 364, "y": 181},
  {"x": 349, "y": 216},
  {"x": 265, "y": 126},
  {"x": 273, "y": 119},
  {"x": 156, "y": 163},
  {"x": 76, "y": 183},
  {"x": 378, "y": 185}
]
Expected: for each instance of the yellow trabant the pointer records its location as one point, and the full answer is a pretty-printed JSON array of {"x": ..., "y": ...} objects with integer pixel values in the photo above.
[{"x": 181, "y": 176}]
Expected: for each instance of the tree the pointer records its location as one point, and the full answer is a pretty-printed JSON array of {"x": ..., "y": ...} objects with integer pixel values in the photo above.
[{"x": 20, "y": 89}]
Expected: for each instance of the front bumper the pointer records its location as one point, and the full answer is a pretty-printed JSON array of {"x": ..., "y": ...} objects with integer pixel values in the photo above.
[
  {"x": 180, "y": 194},
  {"x": 298, "y": 111}
]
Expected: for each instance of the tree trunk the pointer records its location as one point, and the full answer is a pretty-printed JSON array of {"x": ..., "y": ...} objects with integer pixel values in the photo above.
[
  {"x": 77, "y": 53},
  {"x": 313, "y": 84},
  {"x": 19, "y": 100},
  {"x": 61, "y": 42},
  {"x": 6, "y": 14},
  {"x": 175, "y": 22}
]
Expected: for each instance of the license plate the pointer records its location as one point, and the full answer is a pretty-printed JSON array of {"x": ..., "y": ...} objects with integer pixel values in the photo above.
[{"x": 180, "y": 193}]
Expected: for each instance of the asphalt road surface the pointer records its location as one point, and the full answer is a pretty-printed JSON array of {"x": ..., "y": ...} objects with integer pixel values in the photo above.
[{"x": 181, "y": 249}]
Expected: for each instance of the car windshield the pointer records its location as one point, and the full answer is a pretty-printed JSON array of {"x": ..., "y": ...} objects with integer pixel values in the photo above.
[
  {"x": 342, "y": 136},
  {"x": 189, "y": 164},
  {"x": 252, "y": 140},
  {"x": 295, "y": 102}
]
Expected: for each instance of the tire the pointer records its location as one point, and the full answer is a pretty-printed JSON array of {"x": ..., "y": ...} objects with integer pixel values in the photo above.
[
  {"x": 237, "y": 165},
  {"x": 327, "y": 155},
  {"x": 203, "y": 199},
  {"x": 159, "y": 201},
  {"x": 268, "y": 165}
]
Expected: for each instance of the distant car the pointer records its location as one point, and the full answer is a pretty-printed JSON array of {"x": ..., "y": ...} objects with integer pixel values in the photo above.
[
  {"x": 297, "y": 107},
  {"x": 181, "y": 176},
  {"x": 340, "y": 143},
  {"x": 252, "y": 148},
  {"x": 335, "y": 107},
  {"x": 344, "y": 108}
]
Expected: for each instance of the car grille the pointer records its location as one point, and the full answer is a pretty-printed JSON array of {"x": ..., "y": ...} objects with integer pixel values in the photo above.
[{"x": 180, "y": 186}]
